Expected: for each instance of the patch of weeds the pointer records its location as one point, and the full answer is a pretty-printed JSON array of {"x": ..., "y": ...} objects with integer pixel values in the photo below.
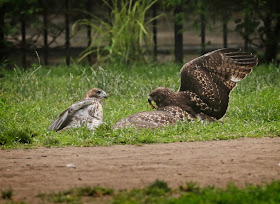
[
  {"x": 156, "y": 192},
  {"x": 158, "y": 188},
  {"x": 75, "y": 195},
  {"x": 60, "y": 197},
  {"x": 190, "y": 187},
  {"x": 7, "y": 194},
  {"x": 11, "y": 136},
  {"x": 94, "y": 191},
  {"x": 159, "y": 192},
  {"x": 50, "y": 141}
]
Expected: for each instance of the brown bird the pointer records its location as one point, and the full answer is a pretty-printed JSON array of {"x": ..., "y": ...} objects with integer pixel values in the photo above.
[
  {"x": 206, "y": 83},
  {"x": 87, "y": 112}
]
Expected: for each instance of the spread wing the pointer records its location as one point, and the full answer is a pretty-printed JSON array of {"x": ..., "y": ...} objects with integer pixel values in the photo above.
[
  {"x": 226, "y": 66},
  {"x": 211, "y": 77},
  {"x": 65, "y": 117}
]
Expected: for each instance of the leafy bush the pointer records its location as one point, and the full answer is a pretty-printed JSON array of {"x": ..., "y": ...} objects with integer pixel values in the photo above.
[{"x": 120, "y": 38}]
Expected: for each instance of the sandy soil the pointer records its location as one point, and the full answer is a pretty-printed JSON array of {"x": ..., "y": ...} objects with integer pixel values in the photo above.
[{"x": 242, "y": 161}]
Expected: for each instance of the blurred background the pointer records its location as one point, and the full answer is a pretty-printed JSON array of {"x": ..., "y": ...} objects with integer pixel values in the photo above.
[{"x": 51, "y": 32}]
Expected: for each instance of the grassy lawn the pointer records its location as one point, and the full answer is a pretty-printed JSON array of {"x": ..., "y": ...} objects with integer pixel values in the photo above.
[{"x": 30, "y": 100}]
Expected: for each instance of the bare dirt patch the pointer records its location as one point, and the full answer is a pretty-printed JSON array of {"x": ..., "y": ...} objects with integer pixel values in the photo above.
[{"x": 241, "y": 161}]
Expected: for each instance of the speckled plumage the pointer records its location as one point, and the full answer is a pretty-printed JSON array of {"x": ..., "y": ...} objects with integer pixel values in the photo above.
[
  {"x": 87, "y": 112},
  {"x": 206, "y": 83},
  {"x": 153, "y": 119}
]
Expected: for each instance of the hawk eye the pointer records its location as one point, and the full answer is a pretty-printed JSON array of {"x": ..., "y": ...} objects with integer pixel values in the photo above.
[{"x": 98, "y": 92}]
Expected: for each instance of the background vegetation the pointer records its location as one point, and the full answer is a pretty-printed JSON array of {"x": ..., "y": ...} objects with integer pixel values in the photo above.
[{"x": 122, "y": 28}]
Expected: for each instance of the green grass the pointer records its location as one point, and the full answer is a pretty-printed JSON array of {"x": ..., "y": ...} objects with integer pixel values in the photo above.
[
  {"x": 30, "y": 100},
  {"x": 160, "y": 192}
]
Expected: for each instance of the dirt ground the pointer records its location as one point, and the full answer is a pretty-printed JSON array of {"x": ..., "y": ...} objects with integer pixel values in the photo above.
[{"x": 243, "y": 161}]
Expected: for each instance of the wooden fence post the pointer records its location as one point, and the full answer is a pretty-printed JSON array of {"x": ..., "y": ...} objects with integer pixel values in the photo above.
[
  {"x": 178, "y": 34},
  {"x": 23, "y": 40}
]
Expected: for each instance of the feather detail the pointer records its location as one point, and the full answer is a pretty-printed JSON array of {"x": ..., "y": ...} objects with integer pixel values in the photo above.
[
  {"x": 87, "y": 112},
  {"x": 61, "y": 121}
]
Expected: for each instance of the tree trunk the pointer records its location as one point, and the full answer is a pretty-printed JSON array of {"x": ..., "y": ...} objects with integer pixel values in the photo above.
[
  {"x": 89, "y": 4},
  {"x": 67, "y": 33},
  {"x": 45, "y": 22},
  {"x": 246, "y": 33},
  {"x": 178, "y": 35},
  {"x": 271, "y": 42},
  {"x": 225, "y": 32},
  {"x": 155, "y": 31},
  {"x": 23, "y": 41},
  {"x": 202, "y": 33},
  {"x": 2, "y": 34},
  {"x": 272, "y": 33}
]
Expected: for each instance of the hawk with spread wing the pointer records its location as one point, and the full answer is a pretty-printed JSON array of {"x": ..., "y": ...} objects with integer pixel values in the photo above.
[
  {"x": 87, "y": 112},
  {"x": 206, "y": 83}
]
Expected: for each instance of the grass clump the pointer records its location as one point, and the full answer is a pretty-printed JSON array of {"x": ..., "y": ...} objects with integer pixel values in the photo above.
[
  {"x": 7, "y": 194},
  {"x": 75, "y": 195},
  {"x": 191, "y": 193},
  {"x": 31, "y": 99},
  {"x": 121, "y": 36},
  {"x": 160, "y": 192}
]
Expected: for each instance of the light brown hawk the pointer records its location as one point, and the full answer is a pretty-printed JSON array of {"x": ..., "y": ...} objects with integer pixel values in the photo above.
[
  {"x": 87, "y": 112},
  {"x": 206, "y": 83}
]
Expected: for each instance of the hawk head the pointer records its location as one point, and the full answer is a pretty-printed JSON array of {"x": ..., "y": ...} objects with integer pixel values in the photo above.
[
  {"x": 161, "y": 96},
  {"x": 96, "y": 93}
]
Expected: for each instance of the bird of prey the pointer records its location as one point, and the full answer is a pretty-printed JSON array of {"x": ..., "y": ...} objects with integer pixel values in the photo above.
[
  {"x": 206, "y": 83},
  {"x": 86, "y": 112}
]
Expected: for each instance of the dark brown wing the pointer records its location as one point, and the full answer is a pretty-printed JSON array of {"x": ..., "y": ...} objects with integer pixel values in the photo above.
[
  {"x": 212, "y": 76},
  {"x": 230, "y": 65}
]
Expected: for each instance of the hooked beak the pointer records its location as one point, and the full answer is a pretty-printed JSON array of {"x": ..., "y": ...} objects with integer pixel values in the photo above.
[
  {"x": 104, "y": 95},
  {"x": 150, "y": 102}
]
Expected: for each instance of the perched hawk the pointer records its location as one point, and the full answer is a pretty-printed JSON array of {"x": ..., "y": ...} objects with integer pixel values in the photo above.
[
  {"x": 206, "y": 83},
  {"x": 87, "y": 112}
]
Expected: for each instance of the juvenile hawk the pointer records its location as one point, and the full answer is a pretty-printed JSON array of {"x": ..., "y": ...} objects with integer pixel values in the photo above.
[
  {"x": 87, "y": 112},
  {"x": 206, "y": 83}
]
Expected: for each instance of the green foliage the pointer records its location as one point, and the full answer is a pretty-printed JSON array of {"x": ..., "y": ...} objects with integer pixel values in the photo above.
[
  {"x": 30, "y": 100},
  {"x": 76, "y": 194},
  {"x": 194, "y": 194},
  {"x": 159, "y": 192},
  {"x": 120, "y": 38},
  {"x": 7, "y": 194}
]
